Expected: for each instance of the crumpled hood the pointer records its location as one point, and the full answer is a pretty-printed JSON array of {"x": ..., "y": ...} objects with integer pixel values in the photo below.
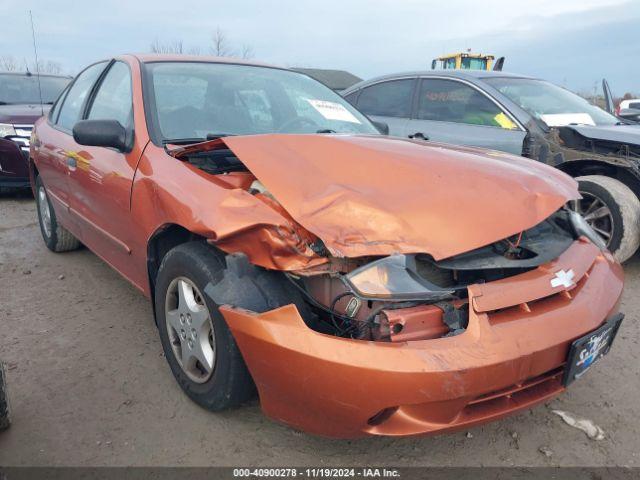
[
  {"x": 611, "y": 133},
  {"x": 377, "y": 195}
]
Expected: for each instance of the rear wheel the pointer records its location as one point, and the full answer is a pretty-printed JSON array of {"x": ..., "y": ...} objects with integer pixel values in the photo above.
[
  {"x": 55, "y": 236},
  {"x": 613, "y": 211}
]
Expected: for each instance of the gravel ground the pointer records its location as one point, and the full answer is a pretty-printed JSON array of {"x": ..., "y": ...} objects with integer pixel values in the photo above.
[{"x": 89, "y": 385}]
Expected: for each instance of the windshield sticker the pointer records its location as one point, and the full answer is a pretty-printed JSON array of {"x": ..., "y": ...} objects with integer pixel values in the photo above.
[
  {"x": 564, "y": 119},
  {"x": 333, "y": 111}
]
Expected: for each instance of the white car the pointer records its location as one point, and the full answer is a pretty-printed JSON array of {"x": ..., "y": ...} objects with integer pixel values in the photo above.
[{"x": 632, "y": 103}]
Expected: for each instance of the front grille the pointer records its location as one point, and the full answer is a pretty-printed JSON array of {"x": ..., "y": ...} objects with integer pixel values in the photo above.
[
  {"x": 518, "y": 395},
  {"x": 553, "y": 301}
]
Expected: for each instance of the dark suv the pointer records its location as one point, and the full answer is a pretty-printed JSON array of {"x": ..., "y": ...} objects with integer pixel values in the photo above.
[{"x": 22, "y": 101}]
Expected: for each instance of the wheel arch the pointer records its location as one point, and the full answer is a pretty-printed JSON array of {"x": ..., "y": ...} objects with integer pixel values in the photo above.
[
  {"x": 165, "y": 238},
  {"x": 625, "y": 175}
]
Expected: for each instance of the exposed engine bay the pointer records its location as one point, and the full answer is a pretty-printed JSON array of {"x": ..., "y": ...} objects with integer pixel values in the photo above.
[
  {"x": 413, "y": 297},
  {"x": 399, "y": 297}
]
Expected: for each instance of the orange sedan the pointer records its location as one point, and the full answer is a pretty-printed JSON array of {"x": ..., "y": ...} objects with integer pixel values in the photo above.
[{"x": 363, "y": 284}]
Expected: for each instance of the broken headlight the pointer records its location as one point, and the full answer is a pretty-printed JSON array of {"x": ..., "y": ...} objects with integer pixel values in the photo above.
[
  {"x": 581, "y": 227},
  {"x": 394, "y": 278}
]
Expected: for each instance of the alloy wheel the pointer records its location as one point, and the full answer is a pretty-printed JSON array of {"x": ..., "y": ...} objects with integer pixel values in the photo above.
[
  {"x": 190, "y": 329},
  {"x": 45, "y": 212},
  {"x": 597, "y": 214}
]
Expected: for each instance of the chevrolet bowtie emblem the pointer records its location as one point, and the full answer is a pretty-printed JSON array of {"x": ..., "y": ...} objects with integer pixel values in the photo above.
[{"x": 563, "y": 279}]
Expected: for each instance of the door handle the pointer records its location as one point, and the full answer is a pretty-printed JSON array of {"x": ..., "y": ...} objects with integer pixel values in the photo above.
[
  {"x": 419, "y": 136},
  {"x": 72, "y": 163}
]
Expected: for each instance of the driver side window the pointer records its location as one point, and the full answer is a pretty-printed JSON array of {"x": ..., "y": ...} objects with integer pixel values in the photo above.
[
  {"x": 452, "y": 101},
  {"x": 114, "y": 100},
  {"x": 75, "y": 99}
]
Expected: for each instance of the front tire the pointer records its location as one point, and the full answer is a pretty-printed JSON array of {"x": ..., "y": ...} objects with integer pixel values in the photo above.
[
  {"x": 613, "y": 211},
  {"x": 196, "y": 340},
  {"x": 55, "y": 236}
]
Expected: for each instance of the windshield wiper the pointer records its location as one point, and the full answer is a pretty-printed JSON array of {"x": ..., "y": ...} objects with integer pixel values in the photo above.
[
  {"x": 215, "y": 136},
  {"x": 4, "y": 103},
  {"x": 182, "y": 141},
  {"x": 326, "y": 130},
  {"x": 187, "y": 140}
]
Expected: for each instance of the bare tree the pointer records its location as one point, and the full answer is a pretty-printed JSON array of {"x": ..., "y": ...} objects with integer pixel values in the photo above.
[
  {"x": 46, "y": 66},
  {"x": 220, "y": 46},
  {"x": 247, "y": 51},
  {"x": 175, "y": 46},
  {"x": 8, "y": 63}
]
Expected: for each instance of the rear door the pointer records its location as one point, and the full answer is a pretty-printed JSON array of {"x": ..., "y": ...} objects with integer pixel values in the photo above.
[
  {"x": 101, "y": 178},
  {"x": 453, "y": 111},
  {"x": 389, "y": 102},
  {"x": 55, "y": 144}
]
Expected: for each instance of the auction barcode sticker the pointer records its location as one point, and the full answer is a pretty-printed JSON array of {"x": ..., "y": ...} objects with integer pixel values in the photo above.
[{"x": 333, "y": 111}]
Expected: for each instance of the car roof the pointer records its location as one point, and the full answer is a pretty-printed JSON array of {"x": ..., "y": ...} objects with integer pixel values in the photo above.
[
  {"x": 462, "y": 74},
  {"x": 161, "y": 57}
]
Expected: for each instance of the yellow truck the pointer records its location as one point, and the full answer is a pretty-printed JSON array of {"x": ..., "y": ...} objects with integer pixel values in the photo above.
[{"x": 467, "y": 61}]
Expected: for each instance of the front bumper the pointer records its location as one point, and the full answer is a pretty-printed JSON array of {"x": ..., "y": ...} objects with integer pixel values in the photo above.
[
  {"x": 510, "y": 357},
  {"x": 14, "y": 162}
]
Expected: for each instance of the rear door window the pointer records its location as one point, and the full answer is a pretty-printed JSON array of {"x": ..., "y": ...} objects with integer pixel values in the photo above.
[
  {"x": 452, "y": 101},
  {"x": 387, "y": 99},
  {"x": 72, "y": 107},
  {"x": 352, "y": 97}
]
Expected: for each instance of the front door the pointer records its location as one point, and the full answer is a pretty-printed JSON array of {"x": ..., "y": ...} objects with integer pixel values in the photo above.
[
  {"x": 451, "y": 111},
  {"x": 100, "y": 178}
]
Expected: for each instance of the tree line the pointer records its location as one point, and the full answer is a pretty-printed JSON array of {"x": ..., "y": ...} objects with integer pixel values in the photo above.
[
  {"x": 220, "y": 46},
  {"x": 8, "y": 63}
]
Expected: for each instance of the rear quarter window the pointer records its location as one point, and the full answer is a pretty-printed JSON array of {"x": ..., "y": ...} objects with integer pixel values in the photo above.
[{"x": 387, "y": 99}]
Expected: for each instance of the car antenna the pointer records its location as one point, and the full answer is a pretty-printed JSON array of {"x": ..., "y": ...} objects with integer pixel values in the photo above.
[{"x": 35, "y": 52}]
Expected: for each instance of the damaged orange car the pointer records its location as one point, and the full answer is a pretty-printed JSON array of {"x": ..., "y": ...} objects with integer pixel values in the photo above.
[{"x": 363, "y": 284}]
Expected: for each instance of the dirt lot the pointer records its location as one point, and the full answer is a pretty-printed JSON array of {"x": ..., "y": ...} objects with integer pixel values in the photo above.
[{"x": 89, "y": 385}]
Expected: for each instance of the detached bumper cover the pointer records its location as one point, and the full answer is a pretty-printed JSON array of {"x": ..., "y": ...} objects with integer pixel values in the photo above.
[{"x": 510, "y": 357}]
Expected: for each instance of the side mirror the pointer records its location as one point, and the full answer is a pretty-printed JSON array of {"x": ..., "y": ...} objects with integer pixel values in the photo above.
[
  {"x": 382, "y": 127},
  {"x": 101, "y": 133}
]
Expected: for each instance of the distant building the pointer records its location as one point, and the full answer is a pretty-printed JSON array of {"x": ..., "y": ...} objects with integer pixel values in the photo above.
[{"x": 337, "y": 80}]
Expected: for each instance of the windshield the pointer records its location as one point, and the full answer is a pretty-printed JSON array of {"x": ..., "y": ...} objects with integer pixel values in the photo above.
[
  {"x": 553, "y": 105},
  {"x": 469, "y": 63},
  {"x": 196, "y": 100},
  {"x": 23, "y": 89}
]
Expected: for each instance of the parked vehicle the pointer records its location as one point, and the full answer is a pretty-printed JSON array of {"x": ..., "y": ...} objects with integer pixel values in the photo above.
[
  {"x": 630, "y": 114},
  {"x": 467, "y": 61},
  {"x": 524, "y": 116},
  {"x": 631, "y": 103},
  {"x": 23, "y": 99},
  {"x": 628, "y": 110},
  {"x": 5, "y": 410},
  {"x": 366, "y": 285}
]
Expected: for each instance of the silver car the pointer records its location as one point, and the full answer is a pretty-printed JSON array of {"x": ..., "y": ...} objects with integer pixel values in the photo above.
[{"x": 523, "y": 116}]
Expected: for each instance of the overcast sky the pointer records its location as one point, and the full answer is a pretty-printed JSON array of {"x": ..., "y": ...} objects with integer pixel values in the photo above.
[{"x": 572, "y": 42}]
